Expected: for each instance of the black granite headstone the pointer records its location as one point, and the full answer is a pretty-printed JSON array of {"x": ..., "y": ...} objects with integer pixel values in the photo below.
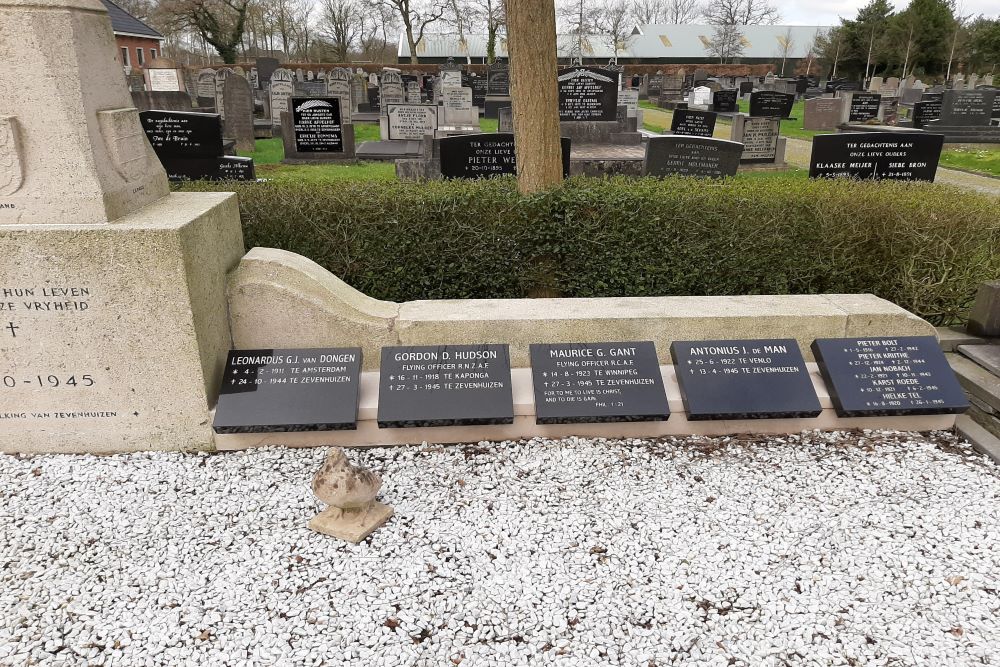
[
  {"x": 771, "y": 103},
  {"x": 908, "y": 375},
  {"x": 374, "y": 98},
  {"x": 725, "y": 101},
  {"x": 926, "y": 111},
  {"x": 903, "y": 156},
  {"x": 265, "y": 68},
  {"x": 222, "y": 168},
  {"x": 746, "y": 87},
  {"x": 479, "y": 89},
  {"x": 498, "y": 81},
  {"x": 597, "y": 382},
  {"x": 801, "y": 86},
  {"x": 693, "y": 123},
  {"x": 588, "y": 94},
  {"x": 485, "y": 155},
  {"x": 744, "y": 379},
  {"x": 691, "y": 156},
  {"x": 967, "y": 107},
  {"x": 265, "y": 391},
  {"x": 316, "y": 125},
  {"x": 445, "y": 385},
  {"x": 864, "y": 107},
  {"x": 183, "y": 134}
]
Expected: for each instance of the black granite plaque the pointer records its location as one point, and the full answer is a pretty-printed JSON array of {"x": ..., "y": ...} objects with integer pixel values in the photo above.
[
  {"x": 842, "y": 84},
  {"x": 725, "y": 101},
  {"x": 901, "y": 156},
  {"x": 996, "y": 105},
  {"x": 588, "y": 93},
  {"x": 746, "y": 87},
  {"x": 926, "y": 111},
  {"x": 693, "y": 123},
  {"x": 316, "y": 124},
  {"x": 183, "y": 133},
  {"x": 771, "y": 103},
  {"x": 692, "y": 156},
  {"x": 270, "y": 391},
  {"x": 222, "y": 168},
  {"x": 744, "y": 379},
  {"x": 967, "y": 107},
  {"x": 479, "y": 89},
  {"x": 374, "y": 98},
  {"x": 864, "y": 107},
  {"x": 908, "y": 375},
  {"x": 801, "y": 86},
  {"x": 485, "y": 155},
  {"x": 498, "y": 82},
  {"x": 445, "y": 385},
  {"x": 579, "y": 383}
]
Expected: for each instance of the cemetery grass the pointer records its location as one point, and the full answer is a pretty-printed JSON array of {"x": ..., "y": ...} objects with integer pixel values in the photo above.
[{"x": 976, "y": 158}]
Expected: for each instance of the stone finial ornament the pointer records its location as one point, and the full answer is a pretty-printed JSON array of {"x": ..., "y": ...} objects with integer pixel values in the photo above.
[{"x": 353, "y": 513}]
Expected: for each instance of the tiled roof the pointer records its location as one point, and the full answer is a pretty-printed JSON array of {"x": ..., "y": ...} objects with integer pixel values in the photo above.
[{"x": 124, "y": 23}]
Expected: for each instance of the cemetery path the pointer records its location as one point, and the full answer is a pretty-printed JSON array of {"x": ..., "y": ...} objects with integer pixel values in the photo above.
[{"x": 869, "y": 547}]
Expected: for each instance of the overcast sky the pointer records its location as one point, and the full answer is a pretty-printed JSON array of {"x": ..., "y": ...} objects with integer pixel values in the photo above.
[{"x": 826, "y": 12}]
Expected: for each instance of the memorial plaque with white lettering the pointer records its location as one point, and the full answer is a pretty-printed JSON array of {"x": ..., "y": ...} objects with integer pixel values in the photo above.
[
  {"x": 693, "y": 123},
  {"x": 771, "y": 103},
  {"x": 579, "y": 383},
  {"x": 445, "y": 385},
  {"x": 744, "y": 379},
  {"x": 863, "y": 107},
  {"x": 316, "y": 125},
  {"x": 184, "y": 134},
  {"x": 900, "y": 156},
  {"x": 272, "y": 391},
  {"x": 907, "y": 375},
  {"x": 588, "y": 93}
]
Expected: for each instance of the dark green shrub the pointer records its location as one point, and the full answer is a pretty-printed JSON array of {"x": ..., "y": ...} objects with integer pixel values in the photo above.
[{"x": 924, "y": 247}]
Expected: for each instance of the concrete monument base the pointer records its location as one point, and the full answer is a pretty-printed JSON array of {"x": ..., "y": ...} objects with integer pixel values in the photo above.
[
  {"x": 115, "y": 335},
  {"x": 353, "y": 525}
]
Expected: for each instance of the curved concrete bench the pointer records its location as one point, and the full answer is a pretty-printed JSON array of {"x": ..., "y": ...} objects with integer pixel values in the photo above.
[{"x": 280, "y": 299}]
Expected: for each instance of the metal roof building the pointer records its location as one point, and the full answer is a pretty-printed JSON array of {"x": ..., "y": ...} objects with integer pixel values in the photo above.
[{"x": 652, "y": 44}]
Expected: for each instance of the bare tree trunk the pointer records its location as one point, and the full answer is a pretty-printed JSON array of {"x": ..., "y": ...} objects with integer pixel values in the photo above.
[{"x": 531, "y": 44}]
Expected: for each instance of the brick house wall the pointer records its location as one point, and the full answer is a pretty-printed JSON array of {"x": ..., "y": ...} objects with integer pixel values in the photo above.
[{"x": 140, "y": 50}]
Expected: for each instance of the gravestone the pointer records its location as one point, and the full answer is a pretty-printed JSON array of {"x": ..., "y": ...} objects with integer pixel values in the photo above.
[
  {"x": 505, "y": 123},
  {"x": 300, "y": 76},
  {"x": 338, "y": 84},
  {"x": 118, "y": 331},
  {"x": 221, "y": 75},
  {"x": 578, "y": 383},
  {"x": 238, "y": 119},
  {"x": 485, "y": 155},
  {"x": 587, "y": 94},
  {"x": 725, "y": 101},
  {"x": 479, "y": 88},
  {"x": 629, "y": 98},
  {"x": 823, "y": 113},
  {"x": 967, "y": 107},
  {"x": 314, "y": 130},
  {"x": 498, "y": 80},
  {"x": 744, "y": 379},
  {"x": 206, "y": 88},
  {"x": 759, "y": 136},
  {"x": 410, "y": 121},
  {"x": 888, "y": 110},
  {"x": 265, "y": 68},
  {"x": 771, "y": 103},
  {"x": 189, "y": 146},
  {"x": 655, "y": 84},
  {"x": 412, "y": 92},
  {"x": 163, "y": 76},
  {"x": 875, "y": 84},
  {"x": 861, "y": 107},
  {"x": 281, "y": 91},
  {"x": 691, "y": 156},
  {"x": 457, "y": 108},
  {"x": 444, "y": 385},
  {"x": 907, "y": 156},
  {"x": 691, "y": 122},
  {"x": 746, "y": 88},
  {"x": 700, "y": 96},
  {"x": 272, "y": 391},
  {"x": 359, "y": 92},
  {"x": 926, "y": 111},
  {"x": 391, "y": 89},
  {"x": 908, "y": 375}
]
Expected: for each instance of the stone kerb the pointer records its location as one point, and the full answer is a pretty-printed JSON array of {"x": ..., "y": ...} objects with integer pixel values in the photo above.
[{"x": 273, "y": 287}]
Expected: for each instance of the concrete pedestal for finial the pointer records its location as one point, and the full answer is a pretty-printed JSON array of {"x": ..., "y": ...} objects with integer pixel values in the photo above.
[{"x": 113, "y": 330}]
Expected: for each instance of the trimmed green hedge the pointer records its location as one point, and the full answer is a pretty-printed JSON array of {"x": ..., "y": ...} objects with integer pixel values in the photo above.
[{"x": 924, "y": 247}]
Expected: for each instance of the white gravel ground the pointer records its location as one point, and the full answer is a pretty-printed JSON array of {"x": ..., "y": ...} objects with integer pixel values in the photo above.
[{"x": 826, "y": 549}]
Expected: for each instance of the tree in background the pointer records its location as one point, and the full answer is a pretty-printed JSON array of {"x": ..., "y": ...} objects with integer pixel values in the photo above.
[
  {"x": 489, "y": 15},
  {"x": 646, "y": 12},
  {"x": 416, "y": 16},
  {"x": 614, "y": 21},
  {"x": 979, "y": 44},
  {"x": 341, "y": 22},
  {"x": 740, "y": 12},
  {"x": 220, "y": 23},
  {"x": 918, "y": 37},
  {"x": 726, "y": 43},
  {"x": 785, "y": 46}
]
